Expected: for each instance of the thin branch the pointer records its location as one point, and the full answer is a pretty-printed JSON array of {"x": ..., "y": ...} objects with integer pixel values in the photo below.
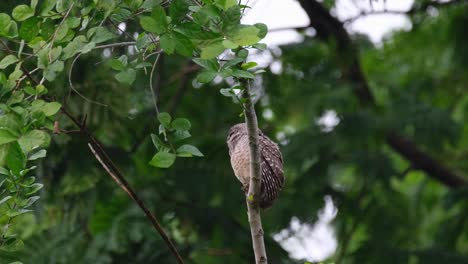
[
  {"x": 58, "y": 27},
  {"x": 288, "y": 28},
  {"x": 73, "y": 88},
  {"x": 253, "y": 194},
  {"x": 375, "y": 13},
  {"x": 415, "y": 9},
  {"x": 153, "y": 92},
  {"x": 118, "y": 44}
]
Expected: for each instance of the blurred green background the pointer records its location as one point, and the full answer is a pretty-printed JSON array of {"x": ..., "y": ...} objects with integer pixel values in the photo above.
[{"x": 388, "y": 210}]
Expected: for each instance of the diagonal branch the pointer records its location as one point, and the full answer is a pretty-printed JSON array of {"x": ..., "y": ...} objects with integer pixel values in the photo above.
[
  {"x": 253, "y": 194},
  {"x": 330, "y": 28},
  {"x": 107, "y": 163}
]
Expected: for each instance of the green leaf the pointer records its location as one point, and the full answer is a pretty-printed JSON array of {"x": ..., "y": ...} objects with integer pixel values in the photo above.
[
  {"x": 225, "y": 4},
  {"x": 228, "y": 92},
  {"x": 3, "y": 153},
  {"x": 178, "y": 9},
  {"x": 262, "y": 30},
  {"x": 243, "y": 74},
  {"x": 51, "y": 108},
  {"x": 180, "y": 135},
  {"x": 163, "y": 160},
  {"x": 7, "y": 61},
  {"x": 260, "y": 46},
  {"x": 30, "y": 201},
  {"x": 22, "y": 12},
  {"x": 168, "y": 43},
  {"x": 29, "y": 28},
  {"x": 5, "y": 199},
  {"x": 15, "y": 158},
  {"x": 4, "y": 172},
  {"x": 206, "y": 13},
  {"x": 62, "y": 32},
  {"x": 63, "y": 5},
  {"x": 148, "y": 23},
  {"x": 117, "y": 64},
  {"x": 148, "y": 4},
  {"x": 245, "y": 35},
  {"x": 12, "y": 244},
  {"x": 232, "y": 63},
  {"x": 165, "y": 119},
  {"x": 156, "y": 23},
  {"x": 34, "y": 188},
  {"x": 33, "y": 139},
  {"x": 158, "y": 143},
  {"x": 99, "y": 34},
  {"x": 5, "y": 21},
  {"x": 206, "y": 76},
  {"x": 7, "y": 135},
  {"x": 40, "y": 154},
  {"x": 73, "y": 22},
  {"x": 212, "y": 50},
  {"x": 207, "y": 64},
  {"x": 74, "y": 47},
  {"x": 188, "y": 151},
  {"x": 47, "y": 5},
  {"x": 127, "y": 76},
  {"x": 16, "y": 212},
  {"x": 181, "y": 124},
  {"x": 56, "y": 66},
  {"x": 183, "y": 45},
  {"x": 231, "y": 19},
  {"x": 248, "y": 65},
  {"x": 243, "y": 53}
]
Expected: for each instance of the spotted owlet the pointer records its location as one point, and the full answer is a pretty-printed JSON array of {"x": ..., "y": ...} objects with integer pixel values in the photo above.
[{"x": 271, "y": 163}]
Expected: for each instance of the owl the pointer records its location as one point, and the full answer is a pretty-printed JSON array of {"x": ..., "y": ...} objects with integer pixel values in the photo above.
[{"x": 271, "y": 163}]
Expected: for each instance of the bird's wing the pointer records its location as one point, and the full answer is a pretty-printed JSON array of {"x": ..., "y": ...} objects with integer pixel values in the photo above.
[{"x": 271, "y": 165}]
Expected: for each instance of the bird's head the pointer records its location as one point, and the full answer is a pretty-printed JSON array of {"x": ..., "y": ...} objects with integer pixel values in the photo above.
[{"x": 236, "y": 132}]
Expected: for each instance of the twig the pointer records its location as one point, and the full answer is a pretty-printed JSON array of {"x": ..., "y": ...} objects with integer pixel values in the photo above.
[
  {"x": 253, "y": 194},
  {"x": 153, "y": 93},
  {"x": 73, "y": 88},
  {"x": 56, "y": 30},
  {"x": 118, "y": 44}
]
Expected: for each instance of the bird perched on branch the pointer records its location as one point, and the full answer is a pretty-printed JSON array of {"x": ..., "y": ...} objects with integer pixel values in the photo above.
[{"x": 271, "y": 163}]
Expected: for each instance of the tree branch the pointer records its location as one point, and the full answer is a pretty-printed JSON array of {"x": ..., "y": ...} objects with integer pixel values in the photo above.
[
  {"x": 329, "y": 27},
  {"x": 107, "y": 163},
  {"x": 253, "y": 194},
  {"x": 415, "y": 9}
]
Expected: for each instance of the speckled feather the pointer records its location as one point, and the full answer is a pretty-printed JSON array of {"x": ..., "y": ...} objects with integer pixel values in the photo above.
[{"x": 271, "y": 163}]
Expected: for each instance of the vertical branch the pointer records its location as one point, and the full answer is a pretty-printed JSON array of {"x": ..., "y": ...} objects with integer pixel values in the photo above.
[{"x": 253, "y": 194}]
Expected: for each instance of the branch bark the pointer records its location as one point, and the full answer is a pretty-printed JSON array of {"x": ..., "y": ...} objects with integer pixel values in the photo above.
[
  {"x": 253, "y": 195},
  {"x": 328, "y": 28}
]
